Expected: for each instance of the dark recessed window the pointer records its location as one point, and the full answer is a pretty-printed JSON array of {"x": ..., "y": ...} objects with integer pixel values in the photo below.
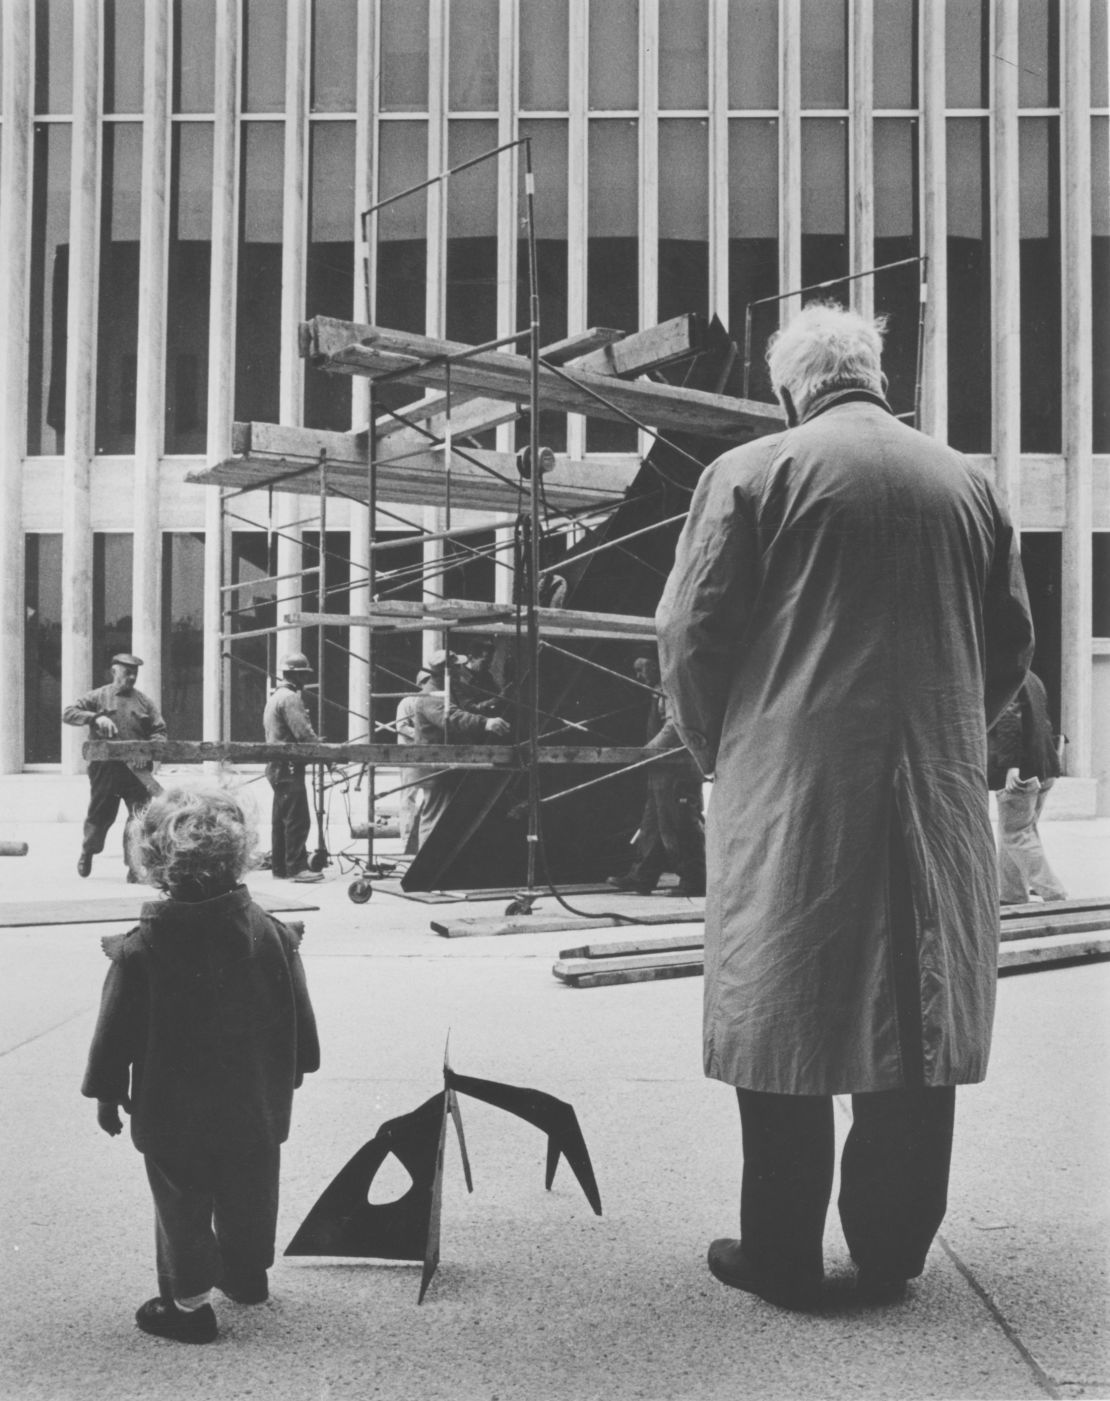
[
  {"x": 1040, "y": 285},
  {"x": 614, "y": 40},
  {"x": 194, "y": 55},
  {"x": 42, "y": 650},
  {"x": 683, "y": 218},
  {"x": 544, "y": 43},
  {"x": 753, "y": 242},
  {"x": 472, "y": 233},
  {"x": 1039, "y": 53},
  {"x": 824, "y": 39},
  {"x": 403, "y": 56},
  {"x": 549, "y": 163},
  {"x": 684, "y": 55},
  {"x": 969, "y": 285},
  {"x": 258, "y": 303},
  {"x": 895, "y": 47},
  {"x": 335, "y": 56},
  {"x": 1100, "y": 279},
  {"x": 753, "y": 54},
  {"x": 188, "y": 282},
  {"x": 113, "y": 555},
  {"x": 183, "y": 633},
  {"x": 402, "y": 227},
  {"x": 49, "y": 296},
  {"x": 118, "y": 311},
  {"x": 966, "y": 26},
  {"x": 330, "y": 274},
  {"x": 896, "y": 289},
  {"x": 123, "y": 55},
  {"x": 54, "y": 56},
  {"x": 613, "y": 251},
  {"x": 263, "y": 56},
  {"x": 472, "y": 35},
  {"x": 825, "y": 203}
]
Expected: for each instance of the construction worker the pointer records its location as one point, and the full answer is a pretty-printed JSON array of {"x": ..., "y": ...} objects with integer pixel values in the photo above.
[
  {"x": 116, "y": 711},
  {"x": 285, "y": 721}
]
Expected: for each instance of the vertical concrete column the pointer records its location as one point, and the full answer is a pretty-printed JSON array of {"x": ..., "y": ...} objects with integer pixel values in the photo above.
[
  {"x": 718, "y": 162},
  {"x": 17, "y": 20},
  {"x": 513, "y": 313},
  {"x": 358, "y": 675},
  {"x": 79, "y": 667},
  {"x": 150, "y": 382},
  {"x": 649, "y": 175},
  {"x": 221, "y": 347},
  {"x": 1006, "y": 260},
  {"x": 934, "y": 231},
  {"x": 1076, "y": 584},
  {"x": 289, "y": 508},
  {"x": 578, "y": 166},
  {"x": 861, "y": 147},
  {"x": 790, "y": 156},
  {"x": 436, "y": 293}
]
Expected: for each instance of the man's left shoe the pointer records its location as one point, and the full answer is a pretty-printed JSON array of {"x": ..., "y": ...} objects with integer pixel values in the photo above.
[
  {"x": 132, "y": 878},
  {"x": 307, "y": 877},
  {"x": 163, "y": 1319},
  {"x": 729, "y": 1264},
  {"x": 84, "y": 864}
]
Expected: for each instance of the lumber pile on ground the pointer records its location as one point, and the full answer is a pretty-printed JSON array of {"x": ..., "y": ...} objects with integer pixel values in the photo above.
[{"x": 1033, "y": 936}]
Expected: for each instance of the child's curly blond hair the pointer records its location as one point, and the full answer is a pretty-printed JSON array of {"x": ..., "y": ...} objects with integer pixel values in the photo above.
[{"x": 193, "y": 841}]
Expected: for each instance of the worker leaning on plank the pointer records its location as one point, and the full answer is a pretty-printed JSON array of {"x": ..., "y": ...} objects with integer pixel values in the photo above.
[{"x": 116, "y": 711}]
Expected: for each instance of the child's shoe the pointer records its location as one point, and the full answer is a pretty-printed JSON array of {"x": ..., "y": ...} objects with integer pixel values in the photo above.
[
  {"x": 164, "y": 1319},
  {"x": 251, "y": 1288}
]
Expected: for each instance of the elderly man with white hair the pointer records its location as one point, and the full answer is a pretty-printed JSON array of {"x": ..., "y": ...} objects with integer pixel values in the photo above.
[{"x": 845, "y": 617}]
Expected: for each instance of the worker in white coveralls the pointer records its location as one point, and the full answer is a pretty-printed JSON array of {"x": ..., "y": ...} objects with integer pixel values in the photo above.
[{"x": 845, "y": 617}]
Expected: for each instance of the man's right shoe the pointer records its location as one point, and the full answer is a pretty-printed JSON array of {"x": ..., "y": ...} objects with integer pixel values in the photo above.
[
  {"x": 728, "y": 1263},
  {"x": 250, "y": 1289},
  {"x": 307, "y": 877},
  {"x": 163, "y": 1319},
  {"x": 629, "y": 883},
  {"x": 84, "y": 864}
]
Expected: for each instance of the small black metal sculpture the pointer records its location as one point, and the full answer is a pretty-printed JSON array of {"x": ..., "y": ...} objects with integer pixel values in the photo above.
[{"x": 344, "y": 1221}]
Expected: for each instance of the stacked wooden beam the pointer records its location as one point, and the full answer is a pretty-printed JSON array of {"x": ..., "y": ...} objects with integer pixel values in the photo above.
[{"x": 1033, "y": 935}]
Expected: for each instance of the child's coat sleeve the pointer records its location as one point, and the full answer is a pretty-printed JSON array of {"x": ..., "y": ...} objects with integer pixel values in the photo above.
[{"x": 118, "y": 1027}]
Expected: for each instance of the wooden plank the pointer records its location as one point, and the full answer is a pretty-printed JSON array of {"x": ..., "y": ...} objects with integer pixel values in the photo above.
[
  {"x": 346, "y": 347},
  {"x": 120, "y": 908},
  {"x": 482, "y": 616},
  {"x": 477, "y": 415},
  {"x": 1037, "y": 907},
  {"x": 287, "y": 459},
  {"x": 602, "y": 977},
  {"x": 691, "y": 942},
  {"x": 566, "y": 968},
  {"x": 552, "y": 924},
  {"x": 1040, "y": 953},
  {"x": 670, "y": 342},
  {"x": 1055, "y": 926},
  {"x": 496, "y": 756}
]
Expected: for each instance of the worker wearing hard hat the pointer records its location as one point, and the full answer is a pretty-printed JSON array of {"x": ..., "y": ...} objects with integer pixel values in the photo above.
[
  {"x": 116, "y": 711},
  {"x": 285, "y": 721}
]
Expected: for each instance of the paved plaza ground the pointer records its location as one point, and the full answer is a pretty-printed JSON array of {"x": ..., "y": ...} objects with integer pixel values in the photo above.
[{"x": 535, "y": 1296}]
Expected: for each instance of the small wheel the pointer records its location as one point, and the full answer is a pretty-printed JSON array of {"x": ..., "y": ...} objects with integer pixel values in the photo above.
[
  {"x": 514, "y": 907},
  {"x": 317, "y": 861},
  {"x": 360, "y": 891}
]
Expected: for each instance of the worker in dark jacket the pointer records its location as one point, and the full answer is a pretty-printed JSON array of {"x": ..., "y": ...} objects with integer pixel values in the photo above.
[
  {"x": 285, "y": 721},
  {"x": 116, "y": 711},
  {"x": 672, "y": 834},
  {"x": 1022, "y": 765},
  {"x": 436, "y": 719},
  {"x": 205, "y": 1030}
]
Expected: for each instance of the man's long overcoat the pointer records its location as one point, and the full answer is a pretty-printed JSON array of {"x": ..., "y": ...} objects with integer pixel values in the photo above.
[{"x": 845, "y": 615}]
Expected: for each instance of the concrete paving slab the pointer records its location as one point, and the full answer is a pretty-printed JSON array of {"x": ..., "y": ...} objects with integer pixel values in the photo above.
[{"x": 535, "y": 1296}]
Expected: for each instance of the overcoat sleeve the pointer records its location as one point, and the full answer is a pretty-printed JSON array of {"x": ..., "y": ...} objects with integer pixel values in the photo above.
[
  {"x": 1007, "y": 621},
  {"x": 705, "y": 606}
]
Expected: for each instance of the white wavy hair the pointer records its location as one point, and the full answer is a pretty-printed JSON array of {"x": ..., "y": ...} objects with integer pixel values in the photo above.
[
  {"x": 194, "y": 839},
  {"x": 825, "y": 347}
]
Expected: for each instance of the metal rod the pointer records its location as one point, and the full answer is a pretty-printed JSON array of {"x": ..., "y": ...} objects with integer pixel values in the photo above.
[{"x": 443, "y": 174}]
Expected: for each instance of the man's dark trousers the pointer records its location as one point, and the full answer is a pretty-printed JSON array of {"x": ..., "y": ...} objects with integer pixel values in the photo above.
[
  {"x": 893, "y": 1180},
  {"x": 290, "y": 819},
  {"x": 111, "y": 782}
]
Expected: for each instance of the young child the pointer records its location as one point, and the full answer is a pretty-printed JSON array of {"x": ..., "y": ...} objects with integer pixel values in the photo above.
[{"x": 205, "y": 1030}]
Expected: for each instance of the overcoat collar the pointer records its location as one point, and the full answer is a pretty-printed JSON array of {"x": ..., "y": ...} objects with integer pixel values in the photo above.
[{"x": 851, "y": 394}]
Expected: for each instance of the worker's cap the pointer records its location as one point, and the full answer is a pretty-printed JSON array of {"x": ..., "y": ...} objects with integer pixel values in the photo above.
[
  {"x": 441, "y": 660},
  {"x": 295, "y": 661},
  {"x": 423, "y": 675},
  {"x": 126, "y": 659}
]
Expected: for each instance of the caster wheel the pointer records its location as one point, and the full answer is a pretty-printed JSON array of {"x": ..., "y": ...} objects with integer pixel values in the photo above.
[
  {"x": 360, "y": 891},
  {"x": 317, "y": 861},
  {"x": 514, "y": 907}
]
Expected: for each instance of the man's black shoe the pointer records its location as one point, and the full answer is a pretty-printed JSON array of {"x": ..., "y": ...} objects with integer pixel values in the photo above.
[
  {"x": 872, "y": 1288},
  {"x": 164, "y": 1319},
  {"x": 630, "y": 883},
  {"x": 84, "y": 864},
  {"x": 250, "y": 1289},
  {"x": 729, "y": 1264}
]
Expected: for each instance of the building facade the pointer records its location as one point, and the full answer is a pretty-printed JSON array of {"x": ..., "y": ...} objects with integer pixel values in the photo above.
[{"x": 181, "y": 183}]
